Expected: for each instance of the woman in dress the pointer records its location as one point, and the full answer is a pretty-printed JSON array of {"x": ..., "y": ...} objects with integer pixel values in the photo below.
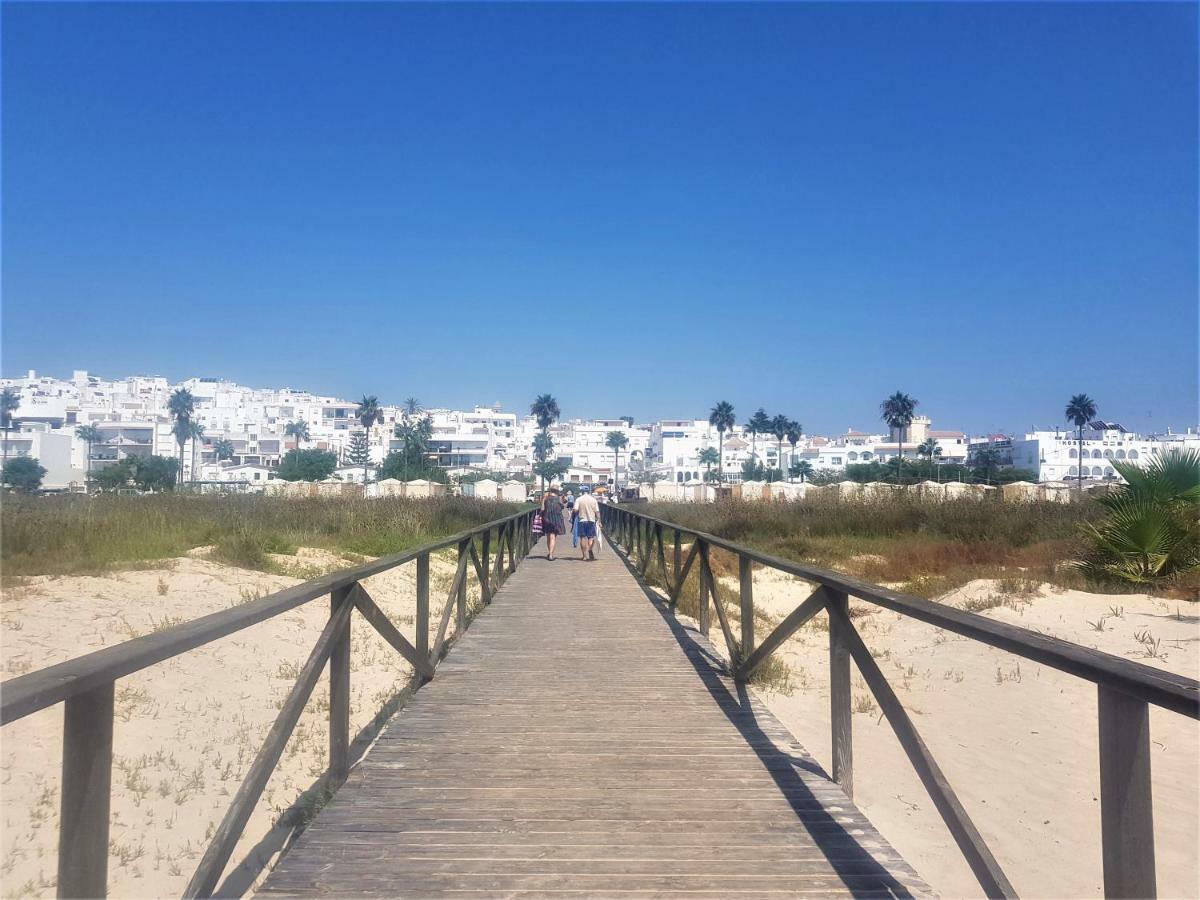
[{"x": 552, "y": 519}]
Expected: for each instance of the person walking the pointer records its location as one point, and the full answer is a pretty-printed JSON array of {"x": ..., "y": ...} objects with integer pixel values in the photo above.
[
  {"x": 552, "y": 519},
  {"x": 587, "y": 518}
]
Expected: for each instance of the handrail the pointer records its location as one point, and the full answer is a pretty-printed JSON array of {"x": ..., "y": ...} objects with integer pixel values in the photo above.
[
  {"x": 26, "y": 694},
  {"x": 1125, "y": 689},
  {"x": 1177, "y": 693},
  {"x": 85, "y": 686}
]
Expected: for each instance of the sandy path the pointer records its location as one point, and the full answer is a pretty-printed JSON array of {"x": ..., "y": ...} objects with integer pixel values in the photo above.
[
  {"x": 1016, "y": 740},
  {"x": 187, "y": 729}
]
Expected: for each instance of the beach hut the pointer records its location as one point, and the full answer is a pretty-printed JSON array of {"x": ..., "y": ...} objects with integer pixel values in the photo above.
[
  {"x": 513, "y": 491},
  {"x": 1019, "y": 491},
  {"x": 693, "y": 491},
  {"x": 753, "y": 491},
  {"x": 786, "y": 490},
  {"x": 844, "y": 490},
  {"x": 419, "y": 488},
  {"x": 980, "y": 490},
  {"x": 954, "y": 489},
  {"x": 484, "y": 489},
  {"x": 1054, "y": 491},
  {"x": 931, "y": 489},
  {"x": 387, "y": 487}
]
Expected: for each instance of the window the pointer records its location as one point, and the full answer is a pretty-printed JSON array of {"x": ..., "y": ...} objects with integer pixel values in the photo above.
[
  {"x": 1096, "y": 454},
  {"x": 1108, "y": 472},
  {"x": 1133, "y": 454},
  {"x": 1108, "y": 454},
  {"x": 852, "y": 456},
  {"x": 1074, "y": 470},
  {"x": 1096, "y": 471},
  {"x": 836, "y": 461},
  {"x": 1073, "y": 453},
  {"x": 1120, "y": 454},
  {"x": 866, "y": 455}
]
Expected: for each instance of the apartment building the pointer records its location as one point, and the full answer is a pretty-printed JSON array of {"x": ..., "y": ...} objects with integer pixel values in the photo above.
[{"x": 1055, "y": 455}]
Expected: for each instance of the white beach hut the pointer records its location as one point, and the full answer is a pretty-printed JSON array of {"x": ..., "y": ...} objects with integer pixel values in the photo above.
[
  {"x": 419, "y": 488},
  {"x": 1055, "y": 491},
  {"x": 388, "y": 487},
  {"x": 1019, "y": 491},
  {"x": 844, "y": 490},
  {"x": 954, "y": 489},
  {"x": 513, "y": 491},
  {"x": 752, "y": 491},
  {"x": 484, "y": 489},
  {"x": 931, "y": 489}
]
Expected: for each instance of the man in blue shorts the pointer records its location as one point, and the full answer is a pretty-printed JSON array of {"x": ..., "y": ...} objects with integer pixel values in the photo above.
[{"x": 587, "y": 514}]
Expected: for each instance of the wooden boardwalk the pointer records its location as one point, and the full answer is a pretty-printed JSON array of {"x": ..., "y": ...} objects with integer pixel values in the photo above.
[{"x": 579, "y": 742}]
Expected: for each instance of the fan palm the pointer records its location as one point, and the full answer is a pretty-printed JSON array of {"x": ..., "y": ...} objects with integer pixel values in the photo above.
[
  {"x": 794, "y": 432},
  {"x": 759, "y": 423},
  {"x": 181, "y": 406},
  {"x": 779, "y": 428},
  {"x": 1152, "y": 531},
  {"x": 224, "y": 449},
  {"x": 617, "y": 441},
  {"x": 195, "y": 433},
  {"x": 803, "y": 468},
  {"x": 543, "y": 446},
  {"x": 10, "y": 400},
  {"x": 91, "y": 436},
  {"x": 897, "y": 411},
  {"x": 708, "y": 458},
  {"x": 545, "y": 410},
  {"x": 721, "y": 418},
  {"x": 1081, "y": 409},
  {"x": 930, "y": 449},
  {"x": 297, "y": 430},
  {"x": 368, "y": 414}
]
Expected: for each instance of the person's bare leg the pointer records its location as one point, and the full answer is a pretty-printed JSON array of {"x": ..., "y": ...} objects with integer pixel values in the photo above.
[{"x": 550, "y": 545}]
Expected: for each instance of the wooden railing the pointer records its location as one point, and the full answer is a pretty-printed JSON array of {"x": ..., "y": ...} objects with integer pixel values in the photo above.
[
  {"x": 85, "y": 687},
  {"x": 1125, "y": 688}
]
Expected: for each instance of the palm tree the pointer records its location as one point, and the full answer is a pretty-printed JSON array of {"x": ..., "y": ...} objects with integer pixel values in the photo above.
[
  {"x": 617, "y": 441},
  {"x": 759, "y": 423},
  {"x": 794, "y": 431},
  {"x": 721, "y": 418},
  {"x": 90, "y": 435},
  {"x": 411, "y": 408},
  {"x": 297, "y": 430},
  {"x": 368, "y": 414},
  {"x": 1081, "y": 409},
  {"x": 545, "y": 410},
  {"x": 9, "y": 401},
  {"x": 543, "y": 446},
  {"x": 930, "y": 449},
  {"x": 897, "y": 411},
  {"x": 224, "y": 448},
  {"x": 707, "y": 458},
  {"x": 195, "y": 432},
  {"x": 181, "y": 406},
  {"x": 803, "y": 468},
  {"x": 779, "y": 428}
]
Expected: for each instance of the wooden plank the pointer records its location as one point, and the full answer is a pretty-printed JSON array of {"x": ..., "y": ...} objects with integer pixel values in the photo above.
[
  {"x": 705, "y": 617},
  {"x": 1126, "y": 813},
  {"x": 840, "y": 713},
  {"x": 86, "y": 793},
  {"x": 382, "y": 624},
  {"x": 784, "y": 630},
  {"x": 676, "y": 557},
  {"x": 207, "y": 874},
  {"x": 979, "y": 857},
  {"x": 460, "y": 616},
  {"x": 687, "y": 568},
  {"x": 460, "y": 578},
  {"x": 617, "y": 759},
  {"x": 1177, "y": 693},
  {"x": 339, "y": 691},
  {"x": 485, "y": 573}
]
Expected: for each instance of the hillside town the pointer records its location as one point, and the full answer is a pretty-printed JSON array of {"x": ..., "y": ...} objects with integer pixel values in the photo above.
[{"x": 244, "y": 433}]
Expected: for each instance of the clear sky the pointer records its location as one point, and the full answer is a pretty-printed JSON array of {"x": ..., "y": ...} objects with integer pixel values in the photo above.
[{"x": 640, "y": 209}]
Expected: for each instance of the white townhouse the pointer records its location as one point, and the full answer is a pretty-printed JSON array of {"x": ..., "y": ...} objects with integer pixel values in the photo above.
[{"x": 1055, "y": 455}]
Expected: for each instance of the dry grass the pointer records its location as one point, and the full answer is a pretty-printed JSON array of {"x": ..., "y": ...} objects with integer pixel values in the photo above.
[
  {"x": 921, "y": 545},
  {"x": 88, "y": 535}
]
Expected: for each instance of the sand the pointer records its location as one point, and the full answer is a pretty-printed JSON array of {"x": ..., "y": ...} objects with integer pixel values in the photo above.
[
  {"x": 1017, "y": 740},
  {"x": 187, "y": 729}
]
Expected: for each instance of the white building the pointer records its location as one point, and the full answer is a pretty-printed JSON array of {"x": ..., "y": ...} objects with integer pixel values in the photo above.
[
  {"x": 52, "y": 450},
  {"x": 1055, "y": 455}
]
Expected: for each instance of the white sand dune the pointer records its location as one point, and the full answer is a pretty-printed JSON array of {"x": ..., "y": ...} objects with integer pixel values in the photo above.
[
  {"x": 1017, "y": 740},
  {"x": 187, "y": 729}
]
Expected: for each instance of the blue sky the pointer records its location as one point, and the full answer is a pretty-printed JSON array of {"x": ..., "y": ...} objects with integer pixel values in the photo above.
[{"x": 641, "y": 209}]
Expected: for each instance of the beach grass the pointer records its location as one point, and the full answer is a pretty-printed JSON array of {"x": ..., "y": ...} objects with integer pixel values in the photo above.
[
  {"x": 924, "y": 546},
  {"x": 75, "y": 535}
]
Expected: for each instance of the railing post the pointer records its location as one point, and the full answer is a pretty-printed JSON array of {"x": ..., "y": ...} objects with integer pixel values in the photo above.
[
  {"x": 485, "y": 587},
  {"x": 1126, "y": 815},
  {"x": 512, "y": 553},
  {"x": 86, "y": 793},
  {"x": 840, "y": 719},
  {"x": 422, "y": 642},
  {"x": 460, "y": 611},
  {"x": 705, "y": 617},
  {"x": 678, "y": 561},
  {"x": 339, "y": 693},
  {"x": 746, "y": 595}
]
